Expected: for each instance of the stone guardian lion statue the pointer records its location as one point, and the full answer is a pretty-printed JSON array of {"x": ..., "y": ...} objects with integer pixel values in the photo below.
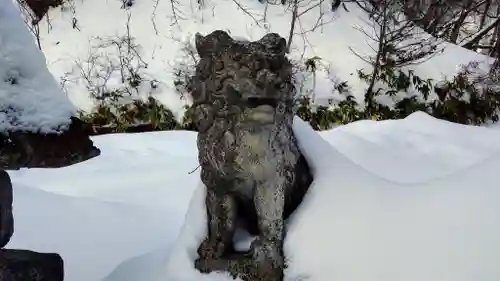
[{"x": 255, "y": 175}]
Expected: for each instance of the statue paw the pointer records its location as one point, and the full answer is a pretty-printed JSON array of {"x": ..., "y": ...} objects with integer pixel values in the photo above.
[
  {"x": 209, "y": 265},
  {"x": 267, "y": 252},
  {"x": 202, "y": 265},
  {"x": 211, "y": 249}
]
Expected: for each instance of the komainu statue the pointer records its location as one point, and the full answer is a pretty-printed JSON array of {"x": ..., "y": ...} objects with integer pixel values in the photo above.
[{"x": 243, "y": 104}]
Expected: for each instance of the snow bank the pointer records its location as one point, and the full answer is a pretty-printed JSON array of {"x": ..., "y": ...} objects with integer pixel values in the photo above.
[
  {"x": 355, "y": 225},
  {"x": 103, "y": 212},
  {"x": 144, "y": 169},
  {"x": 359, "y": 226},
  {"x": 161, "y": 48},
  {"x": 412, "y": 199},
  {"x": 416, "y": 149},
  {"x": 92, "y": 236},
  {"x": 30, "y": 99}
]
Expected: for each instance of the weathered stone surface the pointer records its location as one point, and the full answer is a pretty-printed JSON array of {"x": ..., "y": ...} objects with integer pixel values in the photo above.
[
  {"x": 243, "y": 100},
  {"x": 32, "y": 150},
  {"x": 6, "y": 217},
  {"x": 23, "y": 265}
]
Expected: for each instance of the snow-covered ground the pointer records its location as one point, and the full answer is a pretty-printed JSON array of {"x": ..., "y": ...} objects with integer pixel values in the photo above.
[
  {"x": 340, "y": 32},
  {"x": 126, "y": 202},
  {"x": 412, "y": 199}
]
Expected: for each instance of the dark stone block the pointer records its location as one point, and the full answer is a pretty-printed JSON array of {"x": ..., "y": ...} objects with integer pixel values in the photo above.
[
  {"x": 6, "y": 217},
  {"x": 24, "y": 265},
  {"x": 35, "y": 150}
]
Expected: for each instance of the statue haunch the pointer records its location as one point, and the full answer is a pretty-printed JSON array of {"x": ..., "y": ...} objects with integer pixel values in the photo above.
[{"x": 243, "y": 102}]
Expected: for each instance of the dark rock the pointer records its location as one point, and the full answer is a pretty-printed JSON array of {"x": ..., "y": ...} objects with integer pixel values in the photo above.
[
  {"x": 243, "y": 101},
  {"x": 35, "y": 150},
  {"x": 41, "y": 7},
  {"x": 23, "y": 265},
  {"x": 6, "y": 217}
]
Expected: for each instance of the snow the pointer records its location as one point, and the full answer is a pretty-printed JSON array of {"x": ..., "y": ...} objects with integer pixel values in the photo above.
[
  {"x": 444, "y": 229},
  {"x": 412, "y": 199},
  {"x": 92, "y": 236},
  {"x": 355, "y": 224},
  {"x": 30, "y": 99},
  {"x": 161, "y": 48},
  {"x": 101, "y": 212}
]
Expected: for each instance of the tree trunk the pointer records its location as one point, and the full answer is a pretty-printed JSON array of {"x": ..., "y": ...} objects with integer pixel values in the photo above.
[
  {"x": 455, "y": 32},
  {"x": 485, "y": 13},
  {"x": 381, "y": 49},
  {"x": 295, "y": 13}
]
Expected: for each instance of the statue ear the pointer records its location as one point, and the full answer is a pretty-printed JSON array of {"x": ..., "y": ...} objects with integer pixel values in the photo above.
[
  {"x": 274, "y": 43},
  {"x": 199, "y": 41},
  {"x": 282, "y": 45},
  {"x": 207, "y": 45}
]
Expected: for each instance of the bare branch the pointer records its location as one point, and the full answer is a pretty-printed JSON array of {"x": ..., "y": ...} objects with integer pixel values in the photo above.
[
  {"x": 477, "y": 37},
  {"x": 247, "y": 12},
  {"x": 153, "y": 16},
  {"x": 310, "y": 8}
]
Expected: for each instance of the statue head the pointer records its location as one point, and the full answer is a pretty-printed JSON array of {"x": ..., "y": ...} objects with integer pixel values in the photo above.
[{"x": 237, "y": 78}]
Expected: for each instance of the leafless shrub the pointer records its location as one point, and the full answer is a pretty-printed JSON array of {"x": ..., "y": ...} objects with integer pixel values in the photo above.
[{"x": 114, "y": 70}]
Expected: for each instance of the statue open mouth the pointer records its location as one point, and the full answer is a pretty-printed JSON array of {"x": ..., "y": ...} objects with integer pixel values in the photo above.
[
  {"x": 260, "y": 109},
  {"x": 254, "y": 102},
  {"x": 263, "y": 114}
]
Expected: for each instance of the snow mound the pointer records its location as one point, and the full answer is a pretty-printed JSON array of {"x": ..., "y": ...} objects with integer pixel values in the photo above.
[
  {"x": 356, "y": 225},
  {"x": 92, "y": 236},
  {"x": 416, "y": 149},
  {"x": 139, "y": 169},
  {"x": 104, "y": 212},
  {"x": 142, "y": 267},
  {"x": 30, "y": 99}
]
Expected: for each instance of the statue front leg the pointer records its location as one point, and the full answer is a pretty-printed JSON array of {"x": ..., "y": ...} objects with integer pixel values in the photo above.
[
  {"x": 267, "y": 249},
  {"x": 221, "y": 219},
  {"x": 221, "y": 216}
]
